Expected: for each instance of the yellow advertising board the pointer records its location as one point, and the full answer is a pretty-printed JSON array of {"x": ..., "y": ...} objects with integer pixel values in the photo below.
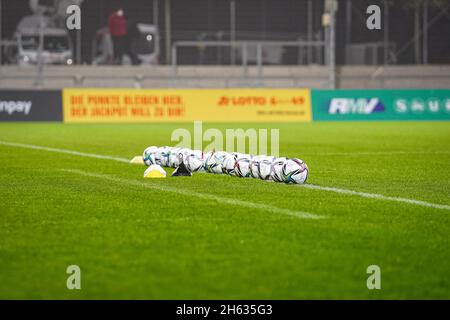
[{"x": 186, "y": 105}]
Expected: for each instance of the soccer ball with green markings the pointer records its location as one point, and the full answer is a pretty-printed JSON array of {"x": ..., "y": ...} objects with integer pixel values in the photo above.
[
  {"x": 228, "y": 166},
  {"x": 214, "y": 162},
  {"x": 294, "y": 171},
  {"x": 174, "y": 159},
  {"x": 150, "y": 155},
  {"x": 164, "y": 153}
]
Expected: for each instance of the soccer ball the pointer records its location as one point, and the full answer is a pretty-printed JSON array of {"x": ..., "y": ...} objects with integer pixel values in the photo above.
[
  {"x": 214, "y": 162},
  {"x": 228, "y": 166},
  {"x": 194, "y": 162},
  {"x": 149, "y": 155},
  {"x": 205, "y": 158},
  {"x": 294, "y": 171},
  {"x": 184, "y": 152},
  {"x": 277, "y": 166},
  {"x": 253, "y": 166},
  {"x": 173, "y": 160},
  {"x": 209, "y": 161},
  {"x": 179, "y": 156},
  {"x": 264, "y": 168},
  {"x": 242, "y": 167},
  {"x": 164, "y": 153}
]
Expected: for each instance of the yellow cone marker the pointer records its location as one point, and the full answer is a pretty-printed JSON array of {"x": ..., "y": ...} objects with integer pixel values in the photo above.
[
  {"x": 155, "y": 171},
  {"x": 137, "y": 160}
]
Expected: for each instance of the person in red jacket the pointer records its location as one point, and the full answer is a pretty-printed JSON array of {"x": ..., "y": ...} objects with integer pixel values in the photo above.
[
  {"x": 117, "y": 25},
  {"x": 118, "y": 30}
]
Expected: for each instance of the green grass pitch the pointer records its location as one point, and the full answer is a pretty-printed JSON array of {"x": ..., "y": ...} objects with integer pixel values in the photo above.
[{"x": 157, "y": 239}]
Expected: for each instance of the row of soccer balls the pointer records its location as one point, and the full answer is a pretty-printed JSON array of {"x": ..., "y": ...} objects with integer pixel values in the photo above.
[{"x": 288, "y": 170}]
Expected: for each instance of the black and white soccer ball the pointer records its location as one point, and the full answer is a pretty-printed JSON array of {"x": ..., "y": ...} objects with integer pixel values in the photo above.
[
  {"x": 264, "y": 167},
  {"x": 242, "y": 166},
  {"x": 276, "y": 170},
  {"x": 194, "y": 161},
  {"x": 228, "y": 165},
  {"x": 253, "y": 166}
]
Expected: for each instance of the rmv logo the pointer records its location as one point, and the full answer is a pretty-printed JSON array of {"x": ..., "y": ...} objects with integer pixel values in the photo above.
[{"x": 355, "y": 106}]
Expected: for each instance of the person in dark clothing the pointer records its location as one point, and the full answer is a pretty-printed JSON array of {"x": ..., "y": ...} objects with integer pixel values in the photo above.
[{"x": 133, "y": 34}]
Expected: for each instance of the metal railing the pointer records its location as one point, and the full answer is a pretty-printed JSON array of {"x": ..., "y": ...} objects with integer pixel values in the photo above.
[
  {"x": 171, "y": 81},
  {"x": 244, "y": 46},
  {"x": 370, "y": 53}
]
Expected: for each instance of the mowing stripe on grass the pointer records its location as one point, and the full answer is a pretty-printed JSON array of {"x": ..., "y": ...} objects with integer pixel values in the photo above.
[
  {"x": 71, "y": 152},
  {"x": 205, "y": 196},
  {"x": 375, "y": 153},
  {"x": 323, "y": 188},
  {"x": 377, "y": 196},
  {"x": 98, "y": 156}
]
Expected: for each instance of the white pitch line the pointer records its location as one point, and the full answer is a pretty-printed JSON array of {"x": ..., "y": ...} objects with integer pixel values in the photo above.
[
  {"x": 377, "y": 196},
  {"x": 205, "y": 196},
  {"x": 71, "y": 152},
  {"x": 323, "y": 188},
  {"x": 375, "y": 153}
]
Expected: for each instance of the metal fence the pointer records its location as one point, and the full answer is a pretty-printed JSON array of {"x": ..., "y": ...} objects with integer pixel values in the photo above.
[
  {"x": 253, "y": 52},
  {"x": 260, "y": 33},
  {"x": 419, "y": 33}
]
